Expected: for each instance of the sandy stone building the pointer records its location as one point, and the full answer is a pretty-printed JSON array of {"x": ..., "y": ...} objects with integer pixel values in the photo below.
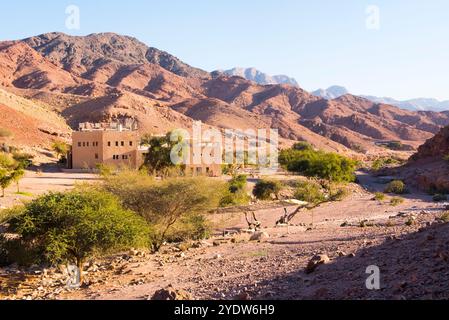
[
  {"x": 118, "y": 145},
  {"x": 110, "y": 144}
]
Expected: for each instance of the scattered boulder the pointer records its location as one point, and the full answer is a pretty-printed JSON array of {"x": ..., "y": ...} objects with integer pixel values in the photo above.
[
  {"x": 242, "y": 297},
  {"x": 316, "y": 261},
  {"x": 171, "y": 294},
  {"x": 260, "y": 236}
]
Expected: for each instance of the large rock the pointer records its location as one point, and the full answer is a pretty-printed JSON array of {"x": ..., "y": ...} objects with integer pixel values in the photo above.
[
  {"x": 170, "y": 294},
  {"x": 260, "y": 236},
  {"x": 316, "y": 261}
]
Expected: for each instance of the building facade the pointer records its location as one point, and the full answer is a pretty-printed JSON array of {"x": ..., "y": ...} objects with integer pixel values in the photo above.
[
  {"x": 118, "y": 145},
  {"x": 113, "y": 144}
]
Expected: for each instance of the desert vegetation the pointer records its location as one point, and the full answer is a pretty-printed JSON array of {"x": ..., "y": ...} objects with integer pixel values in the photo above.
[
  {"x": 235, "y": 193},
  {"x": 174, "y": 207},
  {"x": 12, "y": 169},
  {"x": 73, "y": 226},
  {"x": 60, "y": 148},
  {"x": 396, "y": 187},
  {"x": 267, "y": 189},
  {"x": 302, "y": 159}
]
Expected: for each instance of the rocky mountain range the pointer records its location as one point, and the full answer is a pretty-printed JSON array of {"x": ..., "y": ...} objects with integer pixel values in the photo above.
[
  {"x": 419, "y": 104},
  {"x": 259, "y": 77},
  {"x": 102, "y": 77}
]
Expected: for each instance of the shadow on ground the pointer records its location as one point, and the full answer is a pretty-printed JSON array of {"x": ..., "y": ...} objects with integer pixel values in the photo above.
[{"x": 415, "y": 266}]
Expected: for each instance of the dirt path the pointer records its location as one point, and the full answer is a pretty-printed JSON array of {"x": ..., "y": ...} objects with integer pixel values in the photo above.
[{"x": 34, "y": 184}]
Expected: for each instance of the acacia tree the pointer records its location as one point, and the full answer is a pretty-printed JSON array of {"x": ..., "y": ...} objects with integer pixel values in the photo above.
[
  {"x": 73, "y": 226},
  {"x": 164, "y": 204},
  {"x": 7, "y": 166}
]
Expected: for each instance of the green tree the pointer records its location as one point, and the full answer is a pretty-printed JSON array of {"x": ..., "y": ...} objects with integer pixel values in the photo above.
[
  {"x": 16, "y": 176},
  {"x": 60, "y": 148},
  {"x": 319, "y": 164},
  {"x": 73, "y": 226},
  {"x": 265, "y": 189},
  {"x": 5, "y": 180},
  {"x": 158, "y": 160},
  {"x": 167, "y": 205}
]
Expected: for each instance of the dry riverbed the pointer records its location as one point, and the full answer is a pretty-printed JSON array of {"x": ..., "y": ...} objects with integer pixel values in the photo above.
[{"x": 408, "y": 243}]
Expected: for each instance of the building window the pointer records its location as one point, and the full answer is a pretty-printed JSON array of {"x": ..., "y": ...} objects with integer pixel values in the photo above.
[
  {"x": 123, "y": 143},
  {"x": 96, "y": 156},
  {"x": 109, "y": 143},
  {"x": 79, "y": 144},
  {"x": 125, "y": 157},
  {"x": 116, "y": 143},
  {"x": 87, "y": 144},
  {"x": 130, "y": 143},
  {"x": 84, "y": 144}
]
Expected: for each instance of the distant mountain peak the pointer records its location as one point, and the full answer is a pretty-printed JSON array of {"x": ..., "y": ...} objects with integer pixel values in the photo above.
[
  {"x": 260, "y": 77},
  {"x": 331, "y": 93},
  {"x": 419, "y": 104}
]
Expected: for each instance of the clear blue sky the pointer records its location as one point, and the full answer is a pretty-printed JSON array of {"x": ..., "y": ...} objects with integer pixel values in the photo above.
[{"x": 319, "y": 42}]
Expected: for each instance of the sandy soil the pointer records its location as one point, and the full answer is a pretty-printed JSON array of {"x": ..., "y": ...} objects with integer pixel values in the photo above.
[
  {"x": 34, "y": 184},
  {"x": 233, "y": 267}
]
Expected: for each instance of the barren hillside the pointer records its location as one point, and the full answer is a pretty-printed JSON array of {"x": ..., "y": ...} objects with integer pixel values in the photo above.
[{"x": 109, "y": 76}]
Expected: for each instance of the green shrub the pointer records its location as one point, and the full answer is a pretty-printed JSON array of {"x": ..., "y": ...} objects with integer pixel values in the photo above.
[
  {"x": 73, "y": 226},
  {"x": 319, "y": 164},
  {"x": 168, "y": 205},
  {"x": 17, "y": 251},
  {"x": 302, "y": 146},
  {"x": 238, "y": 183},
  {"x": 394, "y": 202},
  {"x": 379, "y": 196},
  {"x": 396, "y": 187},
  {"x": 339, "y": 195},
  {"x": 309, "y": 192},
  {"x": 439, "y": 197},
  {"x": 190, "y": 227},
  {"x": 236, "y": 193},
  {"x": 382, "y": 163},
  {"x": 265, "y": 189}
]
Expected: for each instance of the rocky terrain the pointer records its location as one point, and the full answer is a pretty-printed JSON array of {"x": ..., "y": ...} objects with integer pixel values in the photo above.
[
  {"x": 326, "y": 260},
  {"x": 101, "y": 77},
  {"x": 428, "y": 169}
]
